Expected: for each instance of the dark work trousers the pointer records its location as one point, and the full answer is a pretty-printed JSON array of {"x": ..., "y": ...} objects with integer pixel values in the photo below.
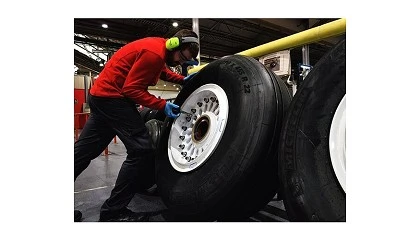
[{"x": 110, "y": 117}]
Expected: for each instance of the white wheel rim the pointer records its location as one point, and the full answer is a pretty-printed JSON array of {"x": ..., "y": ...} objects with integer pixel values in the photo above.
[
  {"x": 337, "y": 143},
  {"x": 193, "y": 139}
]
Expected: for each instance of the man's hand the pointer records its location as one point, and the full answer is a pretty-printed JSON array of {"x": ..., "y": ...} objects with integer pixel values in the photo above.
[
  {"x": 169, "y": 110},
  {"x": 187, "y": 78}
]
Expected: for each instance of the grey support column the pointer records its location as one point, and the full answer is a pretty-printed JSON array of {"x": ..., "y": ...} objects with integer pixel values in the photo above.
[
  {"x": 195, "y": 28},
  {"x": 305, "y": 60}
]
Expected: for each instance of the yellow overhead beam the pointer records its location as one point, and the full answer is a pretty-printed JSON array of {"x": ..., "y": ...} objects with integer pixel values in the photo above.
[{"x": 315, "y": 34}]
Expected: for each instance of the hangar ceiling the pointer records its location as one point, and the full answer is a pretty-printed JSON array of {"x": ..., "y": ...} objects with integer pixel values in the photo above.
[{"x": 218, "y": 37}]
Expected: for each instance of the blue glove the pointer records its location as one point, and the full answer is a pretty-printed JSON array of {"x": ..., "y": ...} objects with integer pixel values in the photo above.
[
  {"x": 189, "y": 77},
  {"x": 169, "y": 110},
  {"x": 191, "y": 63}
]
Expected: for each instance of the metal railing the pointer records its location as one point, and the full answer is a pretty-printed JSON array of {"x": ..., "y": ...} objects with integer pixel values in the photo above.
[{"x": 315, "y": 34}]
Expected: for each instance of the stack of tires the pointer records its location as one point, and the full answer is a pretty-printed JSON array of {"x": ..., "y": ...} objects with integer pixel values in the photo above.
[{"x": 245, "y": 140}]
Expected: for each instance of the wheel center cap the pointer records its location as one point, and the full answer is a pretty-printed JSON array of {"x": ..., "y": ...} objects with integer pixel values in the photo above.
[{"x": 201, "y": 128}]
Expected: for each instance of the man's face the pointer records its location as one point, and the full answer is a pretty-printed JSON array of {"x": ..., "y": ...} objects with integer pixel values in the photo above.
[{"x": 178, "y": 57}]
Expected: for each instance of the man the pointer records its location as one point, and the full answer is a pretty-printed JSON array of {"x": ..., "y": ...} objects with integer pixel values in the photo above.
[{"x": 120, "y": 86}]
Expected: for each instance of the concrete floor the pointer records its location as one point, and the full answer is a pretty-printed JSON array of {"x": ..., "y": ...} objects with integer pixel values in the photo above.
[{"x": 94, "y": 186}]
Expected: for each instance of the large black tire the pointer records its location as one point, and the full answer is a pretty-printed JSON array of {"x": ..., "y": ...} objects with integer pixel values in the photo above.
[
  {"x": 155, "y": 131},
  {"x": 148, "y": 114},
  {"x": 240, "y": 177},
  {"x": 312, "y": 191}
]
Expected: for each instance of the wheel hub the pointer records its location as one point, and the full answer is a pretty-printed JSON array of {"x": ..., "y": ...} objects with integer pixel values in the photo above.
[{"x": 193, "y": 138}]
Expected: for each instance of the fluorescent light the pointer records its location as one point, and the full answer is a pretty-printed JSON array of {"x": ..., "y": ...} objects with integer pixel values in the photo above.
[
  {"x": 175, "y": 24},
  {"x": 105, "y": 25},
  {"x": 164, "y": 85}
]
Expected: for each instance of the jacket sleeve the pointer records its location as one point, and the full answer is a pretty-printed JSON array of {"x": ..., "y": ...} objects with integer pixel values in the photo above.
[
  {"x": 168, "y": 75},
  {"x": 144, "y": 73}
]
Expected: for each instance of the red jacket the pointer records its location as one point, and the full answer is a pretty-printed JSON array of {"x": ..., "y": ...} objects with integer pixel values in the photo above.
[{"x": 132, "y": 69}]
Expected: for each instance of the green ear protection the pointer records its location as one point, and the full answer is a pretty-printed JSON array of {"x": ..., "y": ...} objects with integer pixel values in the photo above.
[{"x": 175, "y": 42}]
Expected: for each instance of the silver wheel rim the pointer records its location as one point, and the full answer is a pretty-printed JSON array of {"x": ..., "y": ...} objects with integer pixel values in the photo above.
[
  {"x": 337, "y": 143},
  {"x": 193, "y": 139}
]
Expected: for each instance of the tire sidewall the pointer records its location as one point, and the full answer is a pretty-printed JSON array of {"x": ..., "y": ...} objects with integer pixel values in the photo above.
[{"x": 312, "y": 190}]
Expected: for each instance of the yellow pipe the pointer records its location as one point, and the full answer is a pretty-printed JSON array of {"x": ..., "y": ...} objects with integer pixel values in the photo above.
[{"x": 327, "y": 30}]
